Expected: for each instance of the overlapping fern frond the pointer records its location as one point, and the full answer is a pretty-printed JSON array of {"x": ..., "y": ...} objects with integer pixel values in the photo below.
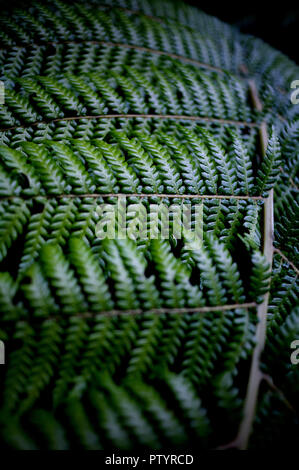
[{"x": 133, "y": 341}]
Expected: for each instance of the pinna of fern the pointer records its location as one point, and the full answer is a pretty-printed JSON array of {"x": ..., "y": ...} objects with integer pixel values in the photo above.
[{"x": 142, "y": 342}]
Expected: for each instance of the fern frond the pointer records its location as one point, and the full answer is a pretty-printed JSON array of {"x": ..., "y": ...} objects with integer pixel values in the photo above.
[
  {"x": 226, "y": 170},
  {"x": 62, "y": 278},
  {"x": 169, "y": 174},
  {"x": 243, "y": 166},
  {"x": 269, "y": 169},
  {"x": 73, "y": 168},
  {"x": 144, "y": 341},
  {"x": 203, "y": 160},
  {"x": 260, "y": 277}
]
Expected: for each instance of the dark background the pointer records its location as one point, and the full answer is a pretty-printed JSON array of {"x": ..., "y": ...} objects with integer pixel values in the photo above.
[{"x": 277, "y": 23}]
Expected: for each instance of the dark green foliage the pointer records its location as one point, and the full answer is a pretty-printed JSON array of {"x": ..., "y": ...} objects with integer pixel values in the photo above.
[
  {"x": 269, "y": 170},
  {"x": 125, "y": 343},
  {"x": 259, "y": 280}
]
